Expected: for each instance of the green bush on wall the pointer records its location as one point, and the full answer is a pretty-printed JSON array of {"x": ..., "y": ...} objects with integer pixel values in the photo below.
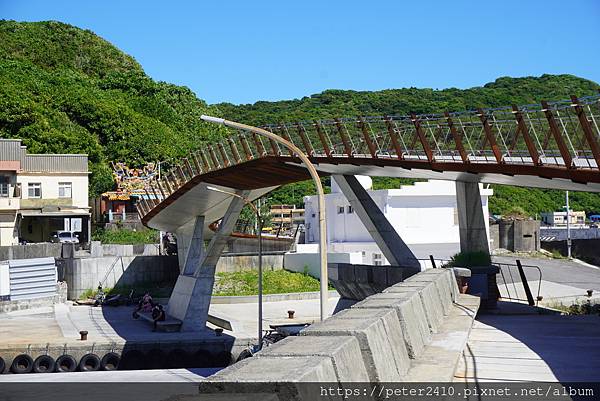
[{"x": 470, "y": 259}]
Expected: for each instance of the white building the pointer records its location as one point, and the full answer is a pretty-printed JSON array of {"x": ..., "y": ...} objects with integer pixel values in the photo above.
[
  {"x": 424, "y": 215},
  {"x": 38, "y": 192},
  {"x": 559, "y": 219}
]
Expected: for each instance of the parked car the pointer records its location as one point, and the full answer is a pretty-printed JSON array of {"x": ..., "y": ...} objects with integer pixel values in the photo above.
[{"x": 64, "y": 237}]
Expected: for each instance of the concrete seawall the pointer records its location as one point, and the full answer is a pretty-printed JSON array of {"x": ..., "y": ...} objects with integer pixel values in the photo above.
[{"x": 414, "y": 331}]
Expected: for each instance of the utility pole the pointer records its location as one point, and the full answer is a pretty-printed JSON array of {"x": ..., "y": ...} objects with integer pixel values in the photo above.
[{"x": 568, "y": 226}]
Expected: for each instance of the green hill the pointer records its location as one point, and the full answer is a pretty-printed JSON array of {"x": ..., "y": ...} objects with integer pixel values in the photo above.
[
  {"x": 64, "y": 89},
  {"x": 502, "y": 92}
]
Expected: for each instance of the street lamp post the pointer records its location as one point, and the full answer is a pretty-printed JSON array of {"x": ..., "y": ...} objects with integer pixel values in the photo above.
[
  {"x": 320, "y": 194},
  {"x": 568, "y": 225},
  {"x": 259, "y": 235}
]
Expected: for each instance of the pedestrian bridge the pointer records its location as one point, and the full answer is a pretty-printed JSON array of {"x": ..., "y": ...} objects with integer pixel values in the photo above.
[
  {"x": 550, "y": 145},
  {"x": 547, "y": 145}
]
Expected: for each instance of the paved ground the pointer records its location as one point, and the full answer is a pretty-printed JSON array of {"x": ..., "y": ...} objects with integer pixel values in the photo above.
[
  {"x": 532, "y": 347},
  {"x": 152, "y": 376},
  {"x": 562, "y": 281},
  {"x": 244, "y": 317},
  {"x": 561, "y": 271},
  {"x": 62, "y": 323}
]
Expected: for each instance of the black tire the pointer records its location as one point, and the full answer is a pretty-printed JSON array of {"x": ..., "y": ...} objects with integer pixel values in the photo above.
[
  {"x": 135, "y": 315},
  {"x": 66, "y": 363},
  {"x": 110, "y": 361},
  {"x": 2, "y": 365},
  {"x": 156, "y": 359},
  {"x": 202, "y": 359},
  {"x": 132, "y": 360},
  {"x": 89, "y": 363},
  {"x": 44, "y": 364},
  {"x": 178, "y": 358},
  {"x": 221, "y": 359},
  {"x": 244, "y": 354},
  {"x": 22, "y": 364}
]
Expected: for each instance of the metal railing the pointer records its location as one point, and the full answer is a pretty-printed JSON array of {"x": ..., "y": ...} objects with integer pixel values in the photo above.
[
  {"x": 562, "y": 134},
  {"x": 514, "y": 277}
]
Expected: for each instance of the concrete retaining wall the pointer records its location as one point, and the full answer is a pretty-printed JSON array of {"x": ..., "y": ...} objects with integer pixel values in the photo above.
[
  {"x": 31, "y": 251},
  {"x": 238, "y": 262},
  {"x": 85, "y": 273},
  {"x": 22, "y": 304},
  {"x": 377, "y": 339},
  {"x": 584, "y": 249}
]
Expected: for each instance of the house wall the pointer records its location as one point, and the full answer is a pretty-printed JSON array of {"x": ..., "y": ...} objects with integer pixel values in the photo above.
[
  {"x": 49, "y": 184},
  {"x": 423, "y": 213}
]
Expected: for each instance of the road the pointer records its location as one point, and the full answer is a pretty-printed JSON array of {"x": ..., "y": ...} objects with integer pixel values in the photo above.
[{"x": 560, "y": 271}]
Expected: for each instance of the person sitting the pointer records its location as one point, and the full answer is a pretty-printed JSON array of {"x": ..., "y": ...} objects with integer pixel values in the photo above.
[
  {"x": 158, "y": 315},
  {"x": 145, "y": 305}
]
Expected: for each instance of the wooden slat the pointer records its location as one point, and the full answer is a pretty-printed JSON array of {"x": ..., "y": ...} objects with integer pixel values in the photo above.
[
  {"x": 344, "y": 137},
  {"x": 367, "y": 137},
  {"x": 422, "y": 137},
  {"x": 305, "y": 141},
  {"x": 590, "y": 136},
  {"x": 323, "y": 138},
  {"x": 522, "y": 127},
  {"x": 489, "y": 136},
  {"x": 389, "y": 124},
  {"x": 457, "y": 138},
  {"x": 234, "y": 150},
  {"x": 562, "y": 146}
]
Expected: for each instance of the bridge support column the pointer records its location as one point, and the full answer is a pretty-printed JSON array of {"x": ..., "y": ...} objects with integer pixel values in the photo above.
[
  {"x": 190, "y": 246},
  {"x": 385, "y": 236},
  {"x": 191, "y": 296},
  {"x": 471, "y": 221}
]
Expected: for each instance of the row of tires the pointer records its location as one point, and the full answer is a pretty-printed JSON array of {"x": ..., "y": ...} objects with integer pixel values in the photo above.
[
  {"x": 25, "y": 363},
  {"x": 130, "y": 360}
]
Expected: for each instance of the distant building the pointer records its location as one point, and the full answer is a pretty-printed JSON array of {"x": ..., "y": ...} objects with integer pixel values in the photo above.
[
  {"x": 40, "y": 194},
  {"x": 423, "y": 214},
  {"x": 286, "y": 217},
  {"x": 559, "y": 219}
]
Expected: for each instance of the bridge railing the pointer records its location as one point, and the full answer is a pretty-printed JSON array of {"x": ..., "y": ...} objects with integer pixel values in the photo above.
[{"x": 563, "y": 134}]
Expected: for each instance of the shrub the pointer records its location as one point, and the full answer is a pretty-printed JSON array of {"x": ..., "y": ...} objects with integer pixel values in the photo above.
[{"x": 470, "y": 259}]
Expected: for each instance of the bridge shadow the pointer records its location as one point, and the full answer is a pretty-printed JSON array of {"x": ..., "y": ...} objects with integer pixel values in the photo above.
[
  {"x": 517, "y": 343},
  {"x": 203, "y": 350}
]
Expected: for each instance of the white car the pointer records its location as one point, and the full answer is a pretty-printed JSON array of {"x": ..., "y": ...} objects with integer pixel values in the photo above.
[{"x": 64, "y": 237}]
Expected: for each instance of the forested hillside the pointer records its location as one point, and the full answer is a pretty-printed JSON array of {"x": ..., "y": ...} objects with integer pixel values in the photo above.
[
  {"x": 502, "y": 92},
  {"x": 64, "y": 89}
]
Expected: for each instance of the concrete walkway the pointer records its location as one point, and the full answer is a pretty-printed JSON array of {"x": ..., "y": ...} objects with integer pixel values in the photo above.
[
  {"x": 138, "y": 376},
  {"x": 532, "y": 347}
]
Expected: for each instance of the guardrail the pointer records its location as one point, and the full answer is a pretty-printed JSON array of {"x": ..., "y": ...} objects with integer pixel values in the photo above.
[{"x": 560, "y": 134}]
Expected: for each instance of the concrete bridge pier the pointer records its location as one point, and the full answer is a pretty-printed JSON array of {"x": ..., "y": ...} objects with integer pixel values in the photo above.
[
  {"x": 471, "y": 221},
  {"x": 191, "y": 296},
  {"x": 385, "y": 236}
]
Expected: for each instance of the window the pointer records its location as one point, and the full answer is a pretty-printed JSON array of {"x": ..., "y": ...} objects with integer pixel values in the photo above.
[
  {"x": 64, "y": 189},
  {"x": 4, "y": 186},
  {"x": 340, "y": 209},
  {"x": 350, "y": 209},
  {"x": 377, "y": 259},
  {"x": 34, "y": 190}
]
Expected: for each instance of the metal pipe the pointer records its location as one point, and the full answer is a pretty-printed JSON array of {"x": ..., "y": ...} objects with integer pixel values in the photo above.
[{"x": 320, "y": 195}]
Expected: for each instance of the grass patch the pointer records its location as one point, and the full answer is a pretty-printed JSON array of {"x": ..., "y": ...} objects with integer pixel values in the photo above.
[
  {"x": 274, "y": 282},
  {"x": 124, "y": 236}
]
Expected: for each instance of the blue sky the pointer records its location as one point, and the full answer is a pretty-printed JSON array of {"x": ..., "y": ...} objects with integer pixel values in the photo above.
[{"x": 244, "y": 51}]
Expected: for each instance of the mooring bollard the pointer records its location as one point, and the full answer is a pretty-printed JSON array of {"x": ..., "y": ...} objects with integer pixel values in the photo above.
[
  {"x": 219, "y": 332},
  {"x": 83, "y": 334},
  {"x": 291, "y": 314}
]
